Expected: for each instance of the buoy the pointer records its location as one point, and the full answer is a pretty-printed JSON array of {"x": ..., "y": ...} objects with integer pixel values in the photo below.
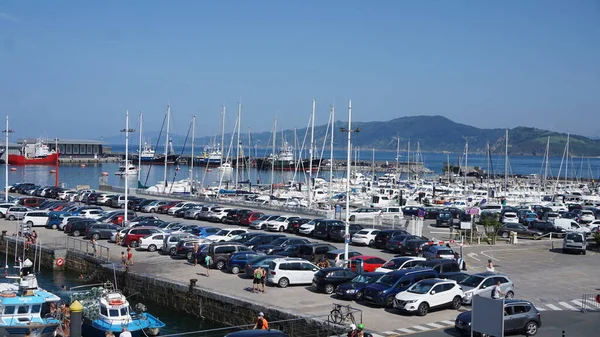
[
  {"x": 13, "y": 169},
  {"x": 60, "y": 261},
  {"x": 52, "y": 171},
  {"x": 82, "y": 165},
  {"x": 208, "y": 170},
  {"x": 104, "y": 174}
]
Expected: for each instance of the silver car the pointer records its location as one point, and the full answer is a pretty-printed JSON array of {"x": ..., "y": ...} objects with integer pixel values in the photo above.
[
  {"x": 170, "y": 242},
  {"x": 575, "y": 242},
  {"x": 16, "y": 212},
  {"x": 482, "y": 284}
]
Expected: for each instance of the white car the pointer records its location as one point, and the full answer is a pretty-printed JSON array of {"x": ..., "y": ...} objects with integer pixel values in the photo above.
[
  {"x": 286, "y": 271},
  {"x": 580, "y": 229},
  {"x": 365, "y": 237},
  {"x": 172, "y": 210},
  {"x": 429, "y": 293},
  {"x": 152, "y": 242},
  {"x": 261, "y": 223},
  {"x": 364, "y": 213},
  {"x": 397, "y": 263},
  {"x": 510, "y": 217},
  {"x": 4, "y": 207},
  {"x": 226, "y": 234},
  {"x": 586, "y": 216},
  {"x": 218, "y": 215},
  {"x": 307, "y": 228},
  {"x": 280, "y": 224},
  {"x": 65, "y": 220},
  {"x": 91, "y": 213}
]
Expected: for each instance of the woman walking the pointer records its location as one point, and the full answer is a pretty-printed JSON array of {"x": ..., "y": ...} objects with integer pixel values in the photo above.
[{"x": 129, "y": 256}]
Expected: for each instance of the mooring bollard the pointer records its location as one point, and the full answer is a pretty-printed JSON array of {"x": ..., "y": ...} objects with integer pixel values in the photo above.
[
  {"x": 193, "y": 284},
  {"x": 76, "y": 319},
  {"x": 3, "y": 235}
]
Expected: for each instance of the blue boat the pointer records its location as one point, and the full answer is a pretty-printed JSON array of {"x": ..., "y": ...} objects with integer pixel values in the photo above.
[
  {"x": 106, "y": 309},
  {"x": 25, "y": 308}
]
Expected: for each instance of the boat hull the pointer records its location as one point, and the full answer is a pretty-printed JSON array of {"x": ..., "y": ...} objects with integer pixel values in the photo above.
[
  {"x": 36, "y": 330},
  {"x": 160, "y": 160},
  {"x": 17, "y": 159},
  {"x": 266, "y": 165},
  {"x": 141, "y": 327}
]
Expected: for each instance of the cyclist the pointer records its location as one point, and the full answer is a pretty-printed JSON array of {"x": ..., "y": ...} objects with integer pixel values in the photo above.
[
  {"x": 353, "y": 332},
  {"x": 360, "y": 333}
]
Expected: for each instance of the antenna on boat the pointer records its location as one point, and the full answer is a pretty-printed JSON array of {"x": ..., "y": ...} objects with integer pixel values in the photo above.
[
  {"x": 6, "y": 259},
  {"x": 115, "y": 276}
]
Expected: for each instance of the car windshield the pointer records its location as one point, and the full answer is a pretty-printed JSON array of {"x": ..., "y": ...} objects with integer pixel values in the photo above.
[
  {"x": 279, "y": 241},
  {"x": 472, "y": 281},
  {"x": 290, "y": 249},
  {"x": 223, "y": 232},
  {"x": 393, "y": 264},
  {"x": 281, "y": 218},
  {"x": 575, "y": 237},
  {"x": 420, "y": 288},
  {"x": 388, "y": 279},
  {"x": 363, "y": 232},
  {"x": 264, "y": 217},
  {"x": 362, "y": 279}
]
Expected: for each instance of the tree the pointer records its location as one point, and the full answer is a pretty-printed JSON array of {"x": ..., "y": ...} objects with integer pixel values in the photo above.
[{"x": 491, "y": 224}]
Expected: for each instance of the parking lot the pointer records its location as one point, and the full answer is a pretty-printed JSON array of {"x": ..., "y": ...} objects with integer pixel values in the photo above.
[{"x": 551, "y": 280}]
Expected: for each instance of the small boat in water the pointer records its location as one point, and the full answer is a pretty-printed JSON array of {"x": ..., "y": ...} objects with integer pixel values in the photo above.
[
  {"x": 26, "y": 308},
  {"x": 127, "y": 169},
  {"x": 106, "y": 309}
]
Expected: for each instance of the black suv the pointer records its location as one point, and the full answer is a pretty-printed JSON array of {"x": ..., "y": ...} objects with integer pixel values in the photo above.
[
  {"x": 327, "y": 279},
  {"x": 440, "y": 265},
  {"x": 220, "y": 252},
  {"x": 323, "y": 228},
  {"x": 382, "y": 237},
  {"x": 262, "y": 239},
  {"x": 546, "y": 227},
  {"x": 336, "y": 233},
  {"x": 314, "y": 251}
]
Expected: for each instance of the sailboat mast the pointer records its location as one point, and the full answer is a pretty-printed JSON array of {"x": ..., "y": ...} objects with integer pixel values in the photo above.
[
  {"x": 140, "y": 150},
  {"x": 547, "y": 160},
  {"x": 310, "y": 153},
  {"x": 398, "y": 156},
  {"x": 273, "y": 157},
  {"x": 506, "y": 162},
  {"x": 331, "y": 152},
  {"x": 167, "y": 145},
  {"x": 237, "y": 161},
  {"x": 127, "y": 130},
  {"x": 192, "y": 160},
  {"x": 408, "y": 159},
  {"x": 567, "y": 158},
  {"x": 222, "y": 134},
  {"x": 466, "y": 161},
  {"x": 373, "y": 166}
]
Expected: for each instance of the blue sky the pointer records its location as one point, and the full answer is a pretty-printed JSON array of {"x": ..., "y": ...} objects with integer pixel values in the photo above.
[{"x": 71, "y": 68}]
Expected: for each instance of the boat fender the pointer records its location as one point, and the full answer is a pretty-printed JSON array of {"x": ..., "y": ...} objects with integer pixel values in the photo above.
[
  {"x": 115, "y": 302},
  {"x": 60, "y": 262},
  {"x": 8, "y": 295}
]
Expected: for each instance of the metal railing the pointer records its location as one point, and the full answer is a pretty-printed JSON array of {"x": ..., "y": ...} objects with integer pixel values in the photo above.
[
  {"x": 590, "y": 302},
  {"x": 86, "y": 247}
]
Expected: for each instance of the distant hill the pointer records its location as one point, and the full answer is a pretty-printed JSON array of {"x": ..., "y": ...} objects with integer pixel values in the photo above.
[{"x": 431, "y": 133}]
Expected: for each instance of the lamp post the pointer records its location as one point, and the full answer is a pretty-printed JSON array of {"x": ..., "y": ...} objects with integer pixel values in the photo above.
[
  {"x": 127, "y": 130},
  {"x": 349, "y": 130},
  {"x": 6, "y": 131},
  {"x": 56, "y": 163}
]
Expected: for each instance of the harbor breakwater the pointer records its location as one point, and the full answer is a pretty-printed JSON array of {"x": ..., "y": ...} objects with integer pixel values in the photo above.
[{"x": 198, "y": 301}]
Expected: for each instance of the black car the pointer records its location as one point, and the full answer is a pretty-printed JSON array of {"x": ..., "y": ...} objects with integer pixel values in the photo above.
[
  {"x": 337, "y": 233},
  {"x": 279, "y": 244},
  {"x": 413, "y": 247},
  {"x": 383, "y": 236},
  {"x": 295, "y": 224},
  {"x": 234, "y": 215},
  {"x": 444, "y": 219},
  {"x": 546, "y": 227},
  {"x": 289, "y": 251},
  {"x": 323, "y": 228},
  {"x": 327, "y": 279},
  {"x": 457, "y": 276},
  {"x": 395, "y": 243},
  {"x": 412, "y": 210},
  {"x": 262, "y": 239},
  {"x": 245, "y": 237},
  {"x": 353, "y": 290},
  {"x": 138, "y": 206},
  {"x": 431, "y": 213}
]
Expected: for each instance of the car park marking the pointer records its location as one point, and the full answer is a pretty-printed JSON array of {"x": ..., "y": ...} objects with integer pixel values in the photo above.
[
  {"x": 375, "y": 335},
  {"x": 405, "y": 330},
  {"x": 577, "y": 303},
  {"x": 420, "y": 327},
  {"x": 553, "y": 307},
  {"x": 567, "y": 305},
  {"x": 472, "y": 255},
  {"x": 448, "y": 322},
  {"x": 435, "y": 325},
  {"x": 389, "y": 332}
]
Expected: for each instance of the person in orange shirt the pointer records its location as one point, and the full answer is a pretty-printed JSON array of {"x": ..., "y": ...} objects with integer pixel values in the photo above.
[{"x": 261, "y": 322}]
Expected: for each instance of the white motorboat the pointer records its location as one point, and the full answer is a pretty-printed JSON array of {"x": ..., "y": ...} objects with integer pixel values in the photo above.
[{"x": 127, "y": 169}]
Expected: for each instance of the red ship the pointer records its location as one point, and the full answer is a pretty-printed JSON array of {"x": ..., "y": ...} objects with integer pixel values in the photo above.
[{"x": 42, "y": 155}]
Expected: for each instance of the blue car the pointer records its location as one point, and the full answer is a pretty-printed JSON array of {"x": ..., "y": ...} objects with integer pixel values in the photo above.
[
  {"x": 238, "y": 260},
  {"x": 383, "y": 291},
  {"x": 203, "y": 232},
  {"x": 353, "y": 290},
  {"x": 55, "y": 218}
]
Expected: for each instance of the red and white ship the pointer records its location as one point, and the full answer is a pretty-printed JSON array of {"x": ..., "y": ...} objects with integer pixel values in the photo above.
[{"x": 38, "y": 154}]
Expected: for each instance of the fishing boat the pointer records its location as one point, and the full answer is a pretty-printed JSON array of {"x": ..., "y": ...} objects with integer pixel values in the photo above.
[
  {"x": 26, "y": 307},
  {"x": 147, "y": 153},
  {"x": 106, "y": 309},
  {"x": 127, "y": 169},
  {"x": 211, "y": 157},
  {"x": 37, "y": 154}
]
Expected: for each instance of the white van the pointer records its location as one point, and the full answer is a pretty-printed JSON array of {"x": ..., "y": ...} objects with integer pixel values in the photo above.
[
  {"x": 392, "y": 213},
  {"x": 571, "y": 225},
  {"x": 286, "y": 271},
  {"x": 35, "y": 218},
  {"x": 495, "y": 208}
]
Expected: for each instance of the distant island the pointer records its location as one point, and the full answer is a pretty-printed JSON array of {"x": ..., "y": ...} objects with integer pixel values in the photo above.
[{"x": 428, "y": 133}]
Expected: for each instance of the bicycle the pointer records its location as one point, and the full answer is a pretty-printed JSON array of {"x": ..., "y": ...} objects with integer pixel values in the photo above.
[{"x": 340, "y": 313}]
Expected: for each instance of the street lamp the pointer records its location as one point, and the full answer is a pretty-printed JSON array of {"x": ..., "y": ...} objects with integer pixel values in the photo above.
[
  {"x": 6, "y": 131},
  {"x": 349, "y": 130},
  {"x": 127, "y": 130},
  {"x": 56, "y": 164}
]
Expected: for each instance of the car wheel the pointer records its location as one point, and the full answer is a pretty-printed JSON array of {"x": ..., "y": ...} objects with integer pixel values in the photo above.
[
  {"x": 152, "y": 210},
  {"x": 222, "y": 220},
  {"x": 172, "y": 251},
  {"x": 95, "y": 236},
  {"x": 189, "y": 255},
  {"x": 456, "y": 302},
  {"x": 423, "y": 309},
  {"x": 536, "y": 237},
  {"x": 389, "y": 302},
  {"x": 329, "y": 288},
  {"x": 11, "y": 217},
  {"x": 281, "y": 228},
  {"x": 235, "y": 270},
  {"x": 359, "y": 296},
  {"x": 531, "y": 328},
  {"x": 283, "y": 282},
  {"x": 76, "y": 233},
  {"x": 54, "y": 226},
  {"x": 197, "y": 217},
  {"x": 133, "y": 244},
  {"x": 352, "y": 218},
  {"x": 220, "y": 265},
  {"x": 583, "y": 252},
  {"x": 505, "y": 235},
  {"x": 510, "y": 295},
  {"x": 152, "y": 248},
  {"x": 30, "y": 223}
]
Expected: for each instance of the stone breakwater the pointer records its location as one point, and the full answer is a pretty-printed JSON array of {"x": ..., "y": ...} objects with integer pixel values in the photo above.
[{"x": 189, "y": 298}]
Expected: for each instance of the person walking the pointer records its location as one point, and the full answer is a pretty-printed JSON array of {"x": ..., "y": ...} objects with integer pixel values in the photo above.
[
  {"x": 256, "y": 279},
  {"x": 208, "y": 261},
  {"x": 263, "y": 279},
  {"x": 462, "y": 265},
  {"x": 129, "y": 256},
  {"x": 261, "y": 322},
  {"x": 95, "y": 246},
  {"x": 123, "y": 260},
  {"x": 496, "y": 292},
  {"x": 195, "y": 254},
  {"x": 125, "y": 333},
  {"x": 490, "y": 267}
]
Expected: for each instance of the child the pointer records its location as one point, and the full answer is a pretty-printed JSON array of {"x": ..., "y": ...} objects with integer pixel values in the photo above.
[
  {"x": 208, "y": 261},
  {"x": 123, "y": 260},
  {"x": 129, "y": 256}
]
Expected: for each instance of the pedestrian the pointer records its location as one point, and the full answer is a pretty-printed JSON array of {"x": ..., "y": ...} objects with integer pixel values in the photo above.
[
  {"x": 257, "y": 275},
  {"x": 208, "y": 261},
  {"x": 261, "y": 322},
  {"x": 353, "y": 332},
  {"x": 496, "y": 292},
  {"x": 462, "y": 265},
  {"x": 27, "y": 333},
  {"x": 129, "y": 256},
  {"x": 490, "y": 267},
  {"x": 109, "y": 334},
  {"x": 34, "y": 237},
  {"x": 125, "y": 333},
  {"x": 95, "y": 247},
  {"x": 263, "y": 279},
  {"x": 195, "y": 254},
  {"x": 118, "y": 239},
  {"x": 123, "y": 260}
]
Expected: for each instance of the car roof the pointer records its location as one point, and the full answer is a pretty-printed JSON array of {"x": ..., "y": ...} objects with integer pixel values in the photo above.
[
  {"x": 410, "y": 271},
  {"x": 364, "y": 257}
]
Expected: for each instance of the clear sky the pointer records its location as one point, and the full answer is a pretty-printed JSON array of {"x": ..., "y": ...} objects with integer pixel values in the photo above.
[{"x": 71, "y": 68}]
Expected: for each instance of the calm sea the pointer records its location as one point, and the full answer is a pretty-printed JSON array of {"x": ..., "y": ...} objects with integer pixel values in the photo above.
[{"x": 73, "y": 175}]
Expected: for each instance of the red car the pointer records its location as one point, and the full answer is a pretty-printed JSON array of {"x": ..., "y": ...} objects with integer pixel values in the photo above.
[
  {"x": 163, "y": 209},
  {"x": 370, "y": 263},
  {"x": 246, "y": 219},
  {"x": 133, "y": 235}
]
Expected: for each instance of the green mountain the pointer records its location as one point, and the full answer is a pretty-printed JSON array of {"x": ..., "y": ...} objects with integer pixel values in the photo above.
[{"x": 429, "y": 133}]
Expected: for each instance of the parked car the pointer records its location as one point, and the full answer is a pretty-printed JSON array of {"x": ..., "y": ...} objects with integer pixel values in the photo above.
[
  {"x": 284, "y": 272},
  {"x": 481, "y": 284},
  {"x": 353, "y": 290},
  {"x": 364, "y": 213},
  {"x": 261, "y": 223},
  {"x": 220, "y": 251},
  {"x": 78, "y": 227},
  {"x": 262, "y": 239},
  {"x": 413, "y": 247},
  {"x": 327, "y": 279},
  {"x": 152, "y": 242},
  {"x": 153, "y": 206},
  {"x": 575, "y": 242},
  {"x": 365, "y": 237},
  {"x": 16, "y": 212},
  {"x": 395, "y": 243},
  {"x": 397, "y": 263},
  {"x": 308, "y": 228},
  {"x": 519, "y": 316},
  {"x": 237, "y": 261},
  {"x": 259, "y": 261},
  {"x": 219, "y": 215},
  {"x": 438, "y": 252},
  {"x": 336, "y": 256},
  {"x": 383, "y": 291},
  {"x": 35, "y": 218},
  {"x": 546, "y": 227},
  {"x": 294, "y": 224},
  {"x": 280, "y": 224},
  {"x": 337, "y": 233},
  {"x": 248, "y": 218},
  {"x": 279, "y": 244},
  {"x": 226, "y": 234},
  {"x": 440, "y": 265},
  {"x": 457, "y": 276},
  {"x": 521, "y": 231},
  {"x": 444, "y": 219},
  {"x": 383, "y": 236},
  {"x": 134, "y": 235},
  {"x": 55, "y": 218},
  {"x": 163, "y": 209},
  {"x": 428, "y": 294},
  {"x": 100, "y": 231},
  {"x": 314, "y": 251},
  {"x": 245, "y": 237},
  {"x": 323, "y": 228},
  {"x": 366, "y": 263},
  {"x": 234, "y": 216}
]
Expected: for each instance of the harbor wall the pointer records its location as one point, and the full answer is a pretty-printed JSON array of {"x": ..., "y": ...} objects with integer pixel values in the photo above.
[{"x": 189, "y": 298}]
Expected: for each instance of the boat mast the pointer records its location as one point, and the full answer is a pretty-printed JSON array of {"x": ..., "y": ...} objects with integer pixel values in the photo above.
[
  {"x": 398, "y": 157},
  {"x": 331, "y": 152},
  {"x": 222, "y": 134},
  {"x": 567, "y": 159},
  {"x": 6, "y": 131},
  {"x": 140, "y": 150},
  {"x": 237, "y": 161},
  {"x": 547, "y": 160},
  {"x": 273, "y": 156},
  {"x": 127, "y": 130},
  {"x": 506, "y": 163},
  {"x": 408, "y": 159},
  {"x": 192, "y": 160},
  {"x": 310, "y": 152},
  {"x": 167, "y": 147},
  {"x": 373, "y": 166},
  {"x": 466, "y": 162}
]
